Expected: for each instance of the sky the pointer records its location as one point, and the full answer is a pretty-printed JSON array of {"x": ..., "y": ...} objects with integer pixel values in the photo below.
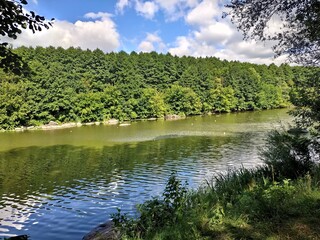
[{"x": 180, "y": 27}]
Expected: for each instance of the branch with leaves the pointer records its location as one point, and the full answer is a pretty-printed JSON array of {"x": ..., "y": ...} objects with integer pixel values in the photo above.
[
  {"x": 298, "y": 34},
  {"x": 13, "y": 19}
]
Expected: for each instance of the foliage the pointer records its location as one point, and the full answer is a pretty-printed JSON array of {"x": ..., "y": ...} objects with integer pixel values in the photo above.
[
  {"x": 90, "y": 107},
  {"x": 13, "y": 19},
  {"x": 299, "y": 31},
  {"x": 306, "y": 97},
  {"x": 271, "y": 95},
  {"x": 255, "y": 207},
  {"x": 290, "y": 155},
  {"x": 182, "y": 100},
  {"x": 151, "y": 104},
  {"x": 222, "y": 99},
  {"x": 155, "y": 213},
  {"x": 76, "y": 85},
  {"x": 267, "y": 201},
  {"x": 229, "y": 185}
]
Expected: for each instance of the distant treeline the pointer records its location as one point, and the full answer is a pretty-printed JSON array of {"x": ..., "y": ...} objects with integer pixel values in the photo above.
[{"x": 68, "y": 85}]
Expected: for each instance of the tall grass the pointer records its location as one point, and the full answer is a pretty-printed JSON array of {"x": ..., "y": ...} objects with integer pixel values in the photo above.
[{"x": 291, "y": 155}]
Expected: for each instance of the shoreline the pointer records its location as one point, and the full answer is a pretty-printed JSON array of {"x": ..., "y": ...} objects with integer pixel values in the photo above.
[
  {"x": 52, "y": 125},
  {"x": 55, "y": 126},
  {"x": 104, "y": 231}
]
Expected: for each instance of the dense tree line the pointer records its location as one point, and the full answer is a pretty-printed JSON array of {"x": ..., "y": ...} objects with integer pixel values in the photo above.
[{"x": 82, "y": 85}]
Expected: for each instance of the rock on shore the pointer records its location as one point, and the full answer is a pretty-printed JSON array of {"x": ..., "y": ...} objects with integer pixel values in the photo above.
[
  {"x": 174, "y": 117},
  {"x": 104, "y": 231}
]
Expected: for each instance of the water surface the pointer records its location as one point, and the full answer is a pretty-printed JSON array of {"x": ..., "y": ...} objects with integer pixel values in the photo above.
[{"x": 60, "y": 184}]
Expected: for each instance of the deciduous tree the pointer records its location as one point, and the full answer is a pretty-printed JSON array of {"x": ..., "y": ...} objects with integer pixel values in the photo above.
[
  {"x": 298, "y": 30},
  {"x": 14, "y": 18}
]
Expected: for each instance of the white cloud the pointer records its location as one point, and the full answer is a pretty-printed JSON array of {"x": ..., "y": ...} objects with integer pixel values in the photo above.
[
  {"x": 168, "y": 5},
  {"x": 152, "y": 42},
  {"x": 241, "y": 51},
  {"x": 172, "y": 6},
  {"x": 183, "y": 46},
  {"x": 231, "y": 55},
  {"x": 121, "y": 5},
  {"x": 35, "y": 2},
  {"x": 146, "y": 46},
  {"x": 146, "y": 9},
  {"x": 251, "y": 49},
  {"x": 153, "y": 37},
  {"x": 173, "y": 9},
  {"x": 203, "y": 13},
  {"x": 100, "y": 15},
  {"x": 216, "y": 33},
  {"x": 210, "y": 35},
  {"x": 100, "y": 33}
]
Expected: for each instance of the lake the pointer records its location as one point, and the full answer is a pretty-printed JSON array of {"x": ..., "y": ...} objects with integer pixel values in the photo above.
[{"x": 60, "y": 184}]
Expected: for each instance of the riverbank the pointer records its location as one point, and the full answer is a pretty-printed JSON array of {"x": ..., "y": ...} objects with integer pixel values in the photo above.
[
  {"x": 243, "y": 204},
  {"x": 278, "y": 200},
  {"x": 52, "y": 125}
]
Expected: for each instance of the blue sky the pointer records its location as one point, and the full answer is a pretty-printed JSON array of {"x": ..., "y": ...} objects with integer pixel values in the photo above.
[{"x": 181, "y": 27}]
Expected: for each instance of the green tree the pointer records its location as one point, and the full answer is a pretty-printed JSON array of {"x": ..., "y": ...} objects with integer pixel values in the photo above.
[
  {"x": 290, "y": 154},
  {"x": 89, "y": 107},
  {"x": 182, "y": 100},
  {"x": 222, "y": 99},
  {"x": 246, "y": 83},
  {"x": 151, "y": 104},
  {"x": 299, "y": 37},
  {"x": 112, "y": 99},
  {"x": 298, "y": 33},
  {"x": 13, "y": 19},
  {"x": 73, "y": 84},
  {"x": 270, "y": 97},
  {"x": 306, "y": 97},
  {"x": 13, "y": 107}
]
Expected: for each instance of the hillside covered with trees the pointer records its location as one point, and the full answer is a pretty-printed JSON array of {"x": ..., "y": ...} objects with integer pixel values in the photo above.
[{"x": 68, "y": 85}]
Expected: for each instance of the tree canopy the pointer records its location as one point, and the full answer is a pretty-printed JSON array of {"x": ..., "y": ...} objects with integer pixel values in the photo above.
[
  {"x": 82, "y": 85},
  {"x": 14, "y": 18},
  {"x": 298, "y": 30},
  {"x": 298, "y": 36}
]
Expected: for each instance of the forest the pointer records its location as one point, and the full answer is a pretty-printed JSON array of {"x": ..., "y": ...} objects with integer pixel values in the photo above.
[{"x": 75, "y": 85}]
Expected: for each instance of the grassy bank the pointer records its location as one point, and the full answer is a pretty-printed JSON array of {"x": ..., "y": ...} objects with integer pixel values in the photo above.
[{"x": 280, "y": 200}]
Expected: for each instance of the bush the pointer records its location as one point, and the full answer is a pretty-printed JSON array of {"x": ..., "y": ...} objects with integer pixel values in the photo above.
[
  {"x": 266, "y": 201},
  {"x": 288, "y": 155},
  {"x": 156, "y": 213},
  {"x": 228, "y": 186}
]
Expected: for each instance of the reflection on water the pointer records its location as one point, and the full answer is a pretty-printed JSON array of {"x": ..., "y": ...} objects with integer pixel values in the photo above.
[{"x": 60, "y": 190}]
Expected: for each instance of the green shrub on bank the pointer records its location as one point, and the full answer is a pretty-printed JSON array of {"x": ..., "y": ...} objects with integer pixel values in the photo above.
[
  {"x": 242, "y": 204},
  {"x": 290, "y": 154},
  {"x": 156, "y": 213}
]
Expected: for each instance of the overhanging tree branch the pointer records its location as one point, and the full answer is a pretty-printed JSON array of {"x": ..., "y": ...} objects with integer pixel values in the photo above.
[
  {"x": 298, "y": 34},
  {"x": 13, "y": 19}
]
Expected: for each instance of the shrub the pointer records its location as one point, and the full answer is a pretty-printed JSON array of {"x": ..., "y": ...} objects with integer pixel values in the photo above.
[
  {"x": 228, "y": 186},
  {"x": 288, "y": 155},
  {"x": 266, "y": 201},
  {"x": 156, "y": 213}
]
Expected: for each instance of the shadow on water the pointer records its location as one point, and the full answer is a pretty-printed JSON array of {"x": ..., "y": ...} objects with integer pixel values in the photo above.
[{"x": 63, "y": 191}]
